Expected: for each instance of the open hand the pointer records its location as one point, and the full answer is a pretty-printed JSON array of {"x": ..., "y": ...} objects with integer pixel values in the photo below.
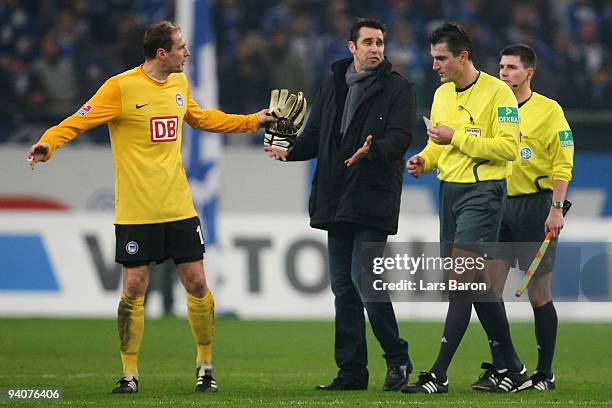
[
  {"x": 276, "y": 153},
  {"x": 360, "y": 153}
]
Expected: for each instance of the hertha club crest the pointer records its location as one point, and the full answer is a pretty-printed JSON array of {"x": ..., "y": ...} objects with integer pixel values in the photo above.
[{"x": 131, "y": 247}]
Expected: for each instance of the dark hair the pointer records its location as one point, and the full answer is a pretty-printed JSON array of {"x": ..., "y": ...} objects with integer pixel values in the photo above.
[
  {"x": 158, "y": 36},
  {"x": 525, "y": 53},
  {"x": 455, "y": 37},
  {"x": 365, "y": 22}
]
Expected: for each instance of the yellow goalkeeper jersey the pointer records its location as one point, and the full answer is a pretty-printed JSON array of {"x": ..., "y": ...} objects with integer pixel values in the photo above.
[
  {"x": 486, "y": 123},
  {"x": 546, "y": 148},
  {"x": 145, "y": 119}
]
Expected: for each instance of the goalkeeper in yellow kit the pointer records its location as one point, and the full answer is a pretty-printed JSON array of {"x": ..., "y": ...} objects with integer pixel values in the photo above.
[{"x": 155, "y": 218}]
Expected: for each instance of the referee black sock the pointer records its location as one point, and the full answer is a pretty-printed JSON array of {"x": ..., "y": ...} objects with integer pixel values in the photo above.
[
  {"x": 496, "y": 354},
  {"x": 457, "y": 320},
  {"x": 492, "y": 316},
  {"x": 546, "y": 335}
]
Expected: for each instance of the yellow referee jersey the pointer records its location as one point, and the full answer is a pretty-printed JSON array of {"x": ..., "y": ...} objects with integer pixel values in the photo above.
[
  {"x": 486, "y": 123},
  {"x": 145, "y": 119},
  {"x": 546, "y": 148}
]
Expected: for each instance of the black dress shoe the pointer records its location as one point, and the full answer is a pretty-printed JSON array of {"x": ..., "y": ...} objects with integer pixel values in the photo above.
[
  {"x": 396, "y": 378},
  {"x": 340, "y": 384}
]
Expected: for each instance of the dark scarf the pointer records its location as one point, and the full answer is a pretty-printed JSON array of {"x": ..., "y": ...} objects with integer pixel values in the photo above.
[{"x": 357, "y": 83}]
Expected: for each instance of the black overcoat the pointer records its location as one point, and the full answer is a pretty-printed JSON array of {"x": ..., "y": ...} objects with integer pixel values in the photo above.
[{"x": 367, "y": 193}]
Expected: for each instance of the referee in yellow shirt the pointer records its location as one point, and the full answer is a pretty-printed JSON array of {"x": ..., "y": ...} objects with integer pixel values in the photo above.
[
  {"x": 155, "y": 218},
  {"x": 472, "y": 144},
  {"x": 536, "y": 192}
]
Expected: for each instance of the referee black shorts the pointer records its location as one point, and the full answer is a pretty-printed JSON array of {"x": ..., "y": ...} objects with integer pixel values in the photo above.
[
  {"x": 470, "y": 216},
  {"x": 522, "y": 230},
  {"x": 141, "y": 244}
]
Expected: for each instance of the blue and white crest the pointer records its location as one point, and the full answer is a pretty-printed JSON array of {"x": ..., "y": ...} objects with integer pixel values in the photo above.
[
  {"x": 131, "y": 247},
  {"x": 526, "y": 153}
]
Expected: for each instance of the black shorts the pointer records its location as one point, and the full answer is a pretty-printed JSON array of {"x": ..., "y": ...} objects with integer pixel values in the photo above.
[
  {"x": 470, "y": 215},
  {"x": 522, "y": 230},
  {"x": 141, "y": 244}
]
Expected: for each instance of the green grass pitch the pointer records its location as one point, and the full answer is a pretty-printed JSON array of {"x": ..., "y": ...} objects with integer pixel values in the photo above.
[{"x": 278, "y": 363}]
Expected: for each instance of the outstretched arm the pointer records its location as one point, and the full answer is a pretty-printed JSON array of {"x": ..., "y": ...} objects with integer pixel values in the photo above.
[
  {"x": 103, "y": 107},
  {"x": 213, "y": 120}
]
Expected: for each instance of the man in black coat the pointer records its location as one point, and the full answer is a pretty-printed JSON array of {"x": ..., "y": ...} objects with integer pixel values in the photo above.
[{"x": 359, "y": 129}]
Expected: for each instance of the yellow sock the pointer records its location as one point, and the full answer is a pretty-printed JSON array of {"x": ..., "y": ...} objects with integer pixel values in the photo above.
[
  {"x": 201, "y": 312},
  {"x": 130, "y": 323}
]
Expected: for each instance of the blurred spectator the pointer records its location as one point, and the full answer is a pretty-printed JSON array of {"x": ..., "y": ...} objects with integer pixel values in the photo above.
[
  {"x": 402, "y": 12},
  {"x": 287, "y": 69},
  {"x": 597, "y": 63},
  {"x": 153, "y": 11},
  {"x": 57, "y": 75},
  {"x": 228, "y": 19},
  {"x": 16, "y": 31},
  {"x": 578, "y": 12},
  {"x": 305, "y": 42},
  {"x": 68, "y": 32},
  {"x": 606, "y": 24},
  {"x": 335, "y": 46},
  {"x": 588, "y": 43},
  {"x": 406, "y": 56},
  {"x": 485, "y": 48},
  {"x": 469, "y": 11},
  {"x": 525, "y": 19},
  {"x": 246, "y": 83},
  {"x": 570, "y": 82},
  {"x": 55, "y": 53},
  {"x": 602, "y": 89},
  {"x": 280, "y": 15},
  {"x": 129, "y": 42},
  {"x": 22, "y": 92}
]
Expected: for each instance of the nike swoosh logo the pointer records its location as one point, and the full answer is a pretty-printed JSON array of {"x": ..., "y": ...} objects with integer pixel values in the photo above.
[{"x": 141, "y": 106}]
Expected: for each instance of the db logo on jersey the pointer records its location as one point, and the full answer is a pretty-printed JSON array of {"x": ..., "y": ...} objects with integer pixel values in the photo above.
[{"x": 164, "y": 129}]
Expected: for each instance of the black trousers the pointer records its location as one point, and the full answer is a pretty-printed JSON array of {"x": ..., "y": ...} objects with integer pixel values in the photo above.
[{"x": 347, "y": 276}]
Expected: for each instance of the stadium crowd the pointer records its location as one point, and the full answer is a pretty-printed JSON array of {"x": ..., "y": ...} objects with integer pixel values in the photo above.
[{"x": 55, "y": 54}]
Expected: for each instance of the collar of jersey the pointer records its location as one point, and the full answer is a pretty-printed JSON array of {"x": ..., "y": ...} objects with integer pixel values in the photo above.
[
  {"x": 148, "y": 78},
  {"x": 526, "y": 100},
  {"x": 469, "y": 86}
]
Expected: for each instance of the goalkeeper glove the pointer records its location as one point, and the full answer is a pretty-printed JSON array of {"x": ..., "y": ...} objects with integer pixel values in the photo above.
[{"x": 290, "y": 111}]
